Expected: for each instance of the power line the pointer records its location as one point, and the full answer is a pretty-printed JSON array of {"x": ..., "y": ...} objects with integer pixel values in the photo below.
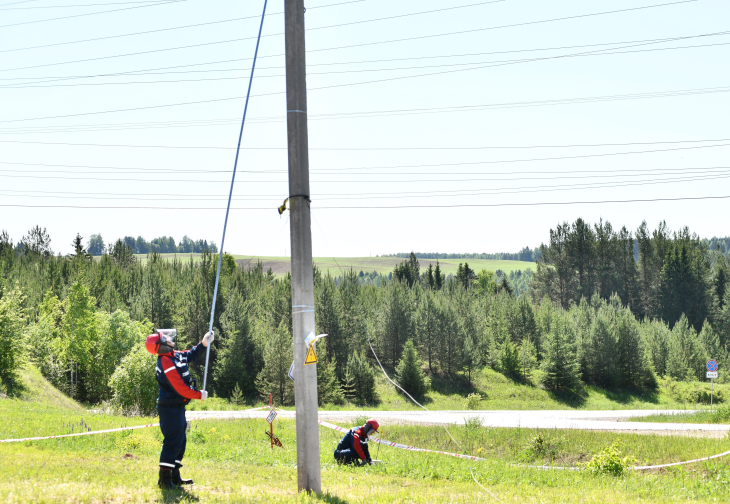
[
  {"x": 326, "y": 171},
  {"x": 370, "y": 148},
  {"x": 215, "y": 100},
  {"x": 394, "y": 207},
  {"x": 483, "y": 192},
  {"x": 204, "y": 44},
  {"x": 373, "y": 113},
  {"x": 565, "y": 175},
  {"x": 379, "y": 194},
  {"x": 249, "y": 17},
  {"x": 409, "y": 181},
  {"x": 352, "y": 46},
  {"x": 164, "y": 2},
  {"x": 141, "y": 72},
  {"x": 339, "y": 72},
  {"x": 148, "y": 2},
  {"x": 168, "y": 29}
]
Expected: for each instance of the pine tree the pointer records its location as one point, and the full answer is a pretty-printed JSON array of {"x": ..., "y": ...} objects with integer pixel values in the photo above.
[
  {"x": 528, "y": 358},
  {"x": 235, "y": 365},
  {"x": 720, "y": 283},
  {"x": 273, "y": 378},
  {"x": 600, "y": 352},
  {"x": 560, "y": 367},
  {"x": 329, "y": 390},
  {"x": 360, "y": 380},
  {"x": 428, "y": 331},
  {"x": 396, "y": 323},
  {"x": 656, "y": 335},
  {"x": 408, "y": 372},
  {"x": 430, "y": 280},
  {"x": 555, "y": 276},
  {"x": 581, "y": 249},
  {"x": 686, "y": 355},
  {"x": 327, "y": 312},
  {"x": 439, "y": 278},
  {"x": 632, "y": 363},
  {"x": 510, "y": 364}
]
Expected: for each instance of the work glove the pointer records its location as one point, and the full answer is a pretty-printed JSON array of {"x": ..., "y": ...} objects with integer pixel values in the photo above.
[
  {"x": 370, "y": 461},
  {"x": 203, "y": 395},
  {"x": 208, "y": 338}
]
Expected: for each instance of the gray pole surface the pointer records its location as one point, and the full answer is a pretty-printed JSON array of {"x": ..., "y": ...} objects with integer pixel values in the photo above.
[{"x": 302, "y": 276}]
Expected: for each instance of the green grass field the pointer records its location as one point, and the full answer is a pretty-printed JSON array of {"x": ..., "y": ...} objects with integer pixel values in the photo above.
[
  {"x": 385, "y": 265},
  {"x": 232, "y": 462}
]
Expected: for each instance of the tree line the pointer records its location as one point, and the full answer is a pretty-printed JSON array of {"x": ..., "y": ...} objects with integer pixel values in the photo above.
[
  {"x": 163, "y": 245},
  {"x": 657, "y": 273},
  {"x": 526, "y": 254},
  {"x": 83, "y": 321}
]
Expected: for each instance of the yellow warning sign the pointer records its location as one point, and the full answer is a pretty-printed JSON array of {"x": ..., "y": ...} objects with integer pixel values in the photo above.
[{"x": 311, "y": 356}]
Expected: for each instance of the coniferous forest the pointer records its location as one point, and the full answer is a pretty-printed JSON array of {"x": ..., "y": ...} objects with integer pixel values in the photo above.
[{"x": 606, "y": 307}]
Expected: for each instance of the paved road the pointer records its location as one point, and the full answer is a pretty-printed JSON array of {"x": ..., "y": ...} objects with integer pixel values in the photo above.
[{"x": 547, "y": 419}]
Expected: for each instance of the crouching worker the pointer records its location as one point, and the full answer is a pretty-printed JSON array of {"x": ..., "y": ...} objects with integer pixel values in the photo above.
[
  {"x": 354, "y": 446},
  {"x": 176, "y": 390}
]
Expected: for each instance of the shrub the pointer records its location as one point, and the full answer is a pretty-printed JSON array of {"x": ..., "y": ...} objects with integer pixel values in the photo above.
[
  {"x": 609, "y": 461},
  {"x": 693, "y": 392},
  {"x": 473, "y": 401},
  {"x": 721, "y": 414},
  {"x": 134, "y": 384}
]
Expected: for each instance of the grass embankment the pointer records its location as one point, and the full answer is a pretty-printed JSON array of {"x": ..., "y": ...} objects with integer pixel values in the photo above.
[
  {"x": 232, "y": 462},
  {"x": 501, "y": 393},
  {"x": 384, "y": 265},
  {"x": 717, "y": 415}
]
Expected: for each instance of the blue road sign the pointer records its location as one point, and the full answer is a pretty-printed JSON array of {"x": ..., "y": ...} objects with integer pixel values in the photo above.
[{"x": 712, "y": 365}]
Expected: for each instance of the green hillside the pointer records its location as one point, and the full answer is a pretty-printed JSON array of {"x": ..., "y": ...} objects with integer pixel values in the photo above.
[{"x": 281, "y": 265}]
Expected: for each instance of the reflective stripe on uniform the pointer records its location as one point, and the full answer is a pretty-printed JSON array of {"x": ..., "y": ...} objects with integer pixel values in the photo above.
[{"x": 169, "y": 369}]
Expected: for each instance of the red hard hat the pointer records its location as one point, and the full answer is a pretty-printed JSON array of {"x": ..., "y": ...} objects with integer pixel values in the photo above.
[
  {"x": 152, "y": 344},
  {"x": 373, "y": 424}
]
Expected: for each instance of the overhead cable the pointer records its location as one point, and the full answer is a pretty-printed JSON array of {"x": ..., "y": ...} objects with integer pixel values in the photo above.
[
  {"x": 75, "y": 6},
  {"x": 340, "y": 72},
  {"x": 554, "y": 174},
  {"x": 370, "y": 114},
  {"x": 356, "y": 45},
  {"x": 209, "y": 23},
  {"x": 448, "y": 56},
  {"x": 371, "y": 148},
  {"x": 481, "y": 192},
  {"x": 216, "y": 100},
  {"x": 393, "y": 207},
  {"x": 163, "y": 2}
]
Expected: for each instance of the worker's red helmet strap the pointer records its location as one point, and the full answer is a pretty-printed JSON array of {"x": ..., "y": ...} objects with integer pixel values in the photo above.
[
  {"x": 152, "y": 344},
  {"x": 373, "y": 424}
]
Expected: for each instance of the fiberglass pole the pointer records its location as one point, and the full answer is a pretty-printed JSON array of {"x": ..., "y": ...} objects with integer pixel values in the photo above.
[{"x": 230, "y": 194}]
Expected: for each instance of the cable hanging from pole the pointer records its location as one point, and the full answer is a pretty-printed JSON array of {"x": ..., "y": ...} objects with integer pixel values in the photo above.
[{"x": 230, "y": 195}]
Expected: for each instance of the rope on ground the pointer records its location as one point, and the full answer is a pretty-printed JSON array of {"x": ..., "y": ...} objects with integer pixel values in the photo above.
[
  {"x": 409, "y": 395},
  {"x": 660, "y": 466},
  {"x": 485, "y": 488},
  {"x": 120, "y": 429}
]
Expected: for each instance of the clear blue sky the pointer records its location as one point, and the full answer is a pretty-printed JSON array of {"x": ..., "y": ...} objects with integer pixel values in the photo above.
[{"x": 437, "y": 170}]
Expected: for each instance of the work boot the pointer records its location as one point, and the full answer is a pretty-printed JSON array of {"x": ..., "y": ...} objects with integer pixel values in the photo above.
[
  {"x": 165, "y": 481},
  {"x": 177, "y": 480}
]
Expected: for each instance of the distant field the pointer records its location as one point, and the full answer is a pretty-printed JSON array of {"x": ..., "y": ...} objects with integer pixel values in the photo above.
[{"x": 281, "y": 265}]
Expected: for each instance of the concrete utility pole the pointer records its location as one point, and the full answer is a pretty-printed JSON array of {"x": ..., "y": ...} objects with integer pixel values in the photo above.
[{"x": 302, "y": 276}]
